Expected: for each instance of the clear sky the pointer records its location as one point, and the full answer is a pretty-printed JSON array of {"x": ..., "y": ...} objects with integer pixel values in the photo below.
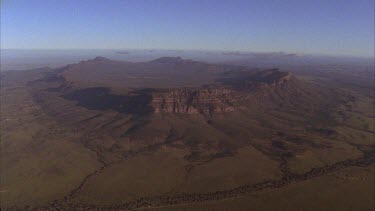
[{"x": 344, "y": 27}]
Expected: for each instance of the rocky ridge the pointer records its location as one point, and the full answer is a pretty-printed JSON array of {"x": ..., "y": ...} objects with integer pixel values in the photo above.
[
  {"x": 204, "y": 100},
  {"x": 219, "y": 97}
]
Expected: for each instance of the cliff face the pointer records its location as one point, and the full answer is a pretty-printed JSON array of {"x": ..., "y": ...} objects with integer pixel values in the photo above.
[
  {"x": 204, "y": 100},
  {"x": 218, "y": 99}
]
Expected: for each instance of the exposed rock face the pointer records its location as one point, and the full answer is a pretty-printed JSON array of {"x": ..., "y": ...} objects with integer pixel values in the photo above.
[
  {"x": 218, "y": 99},
  {"x": 204, "y": 100}
]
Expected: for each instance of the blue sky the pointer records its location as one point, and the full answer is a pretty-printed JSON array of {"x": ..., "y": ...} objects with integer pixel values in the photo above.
[{"x": 341, "y": 27}]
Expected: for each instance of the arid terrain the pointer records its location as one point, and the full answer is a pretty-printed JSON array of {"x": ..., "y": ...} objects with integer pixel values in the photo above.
[{"x": 177, "y": 134}]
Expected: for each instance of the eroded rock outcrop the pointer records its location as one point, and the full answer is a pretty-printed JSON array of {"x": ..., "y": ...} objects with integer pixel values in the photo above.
[
  {"x": 203, "y": 100},
  {"x": 209, "y": 100}
]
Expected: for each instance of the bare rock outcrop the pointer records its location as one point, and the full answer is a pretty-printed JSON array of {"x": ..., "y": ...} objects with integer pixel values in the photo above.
[
  {"x": 203, "y": 100},
  {"x": 218, "y": 99}
]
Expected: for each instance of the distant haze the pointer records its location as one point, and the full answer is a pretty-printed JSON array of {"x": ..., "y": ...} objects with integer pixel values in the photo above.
[
  {"x": 28, "y": 59},
  {"x": 335, "y": 27}
]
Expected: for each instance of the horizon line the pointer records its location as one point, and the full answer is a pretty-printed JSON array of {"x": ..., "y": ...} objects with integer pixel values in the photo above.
[{"x": 204, "y": 50}]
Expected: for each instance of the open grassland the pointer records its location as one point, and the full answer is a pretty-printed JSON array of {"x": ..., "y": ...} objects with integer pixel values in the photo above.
[
  {"x": 40, "y": 161},
  {"x": 308, "y": 159},
  {"x": 348, "y": 189},
  {"x": 148, "y": 174},
  {"x": 248, "y": 166}
]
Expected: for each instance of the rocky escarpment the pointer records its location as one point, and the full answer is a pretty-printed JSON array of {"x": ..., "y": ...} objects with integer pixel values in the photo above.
[
  {"x": 221, "y": 99},
  {"x": 204, "y": 100}
]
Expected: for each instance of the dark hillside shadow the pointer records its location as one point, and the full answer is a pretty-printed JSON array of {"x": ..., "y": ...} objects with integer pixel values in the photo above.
[{"x": 100, "y": 98}]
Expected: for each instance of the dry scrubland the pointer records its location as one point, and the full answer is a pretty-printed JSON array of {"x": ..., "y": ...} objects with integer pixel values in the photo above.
[
  {"x": 349, "y": 189},
  {"x": 304, "y": 148}
]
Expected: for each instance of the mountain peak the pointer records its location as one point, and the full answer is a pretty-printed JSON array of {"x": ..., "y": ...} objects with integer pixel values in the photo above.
[
  {"x": 167, "y": 60},
  {"x": 100, "y": 59},
  {"x": 272, "y": 75}
]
